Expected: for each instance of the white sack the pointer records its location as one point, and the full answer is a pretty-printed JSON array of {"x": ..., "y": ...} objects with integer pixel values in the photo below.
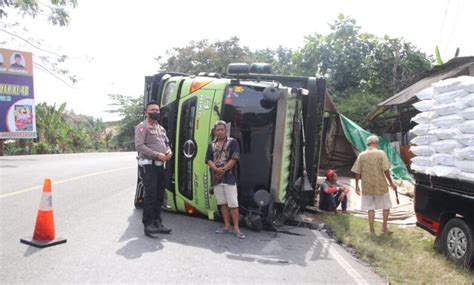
[
  {"x": 461, "y": 82},
  {"x": 443, "y": 159},
  {"x": 449, "y": 97},
  {"x": 447, "y": 121},
  {"x": 419, "y": 168},
  {"x": 465, "y": 139},
  {"x": 424, "y": 105},
  {"x": 466, "y": 127},
  {"x": 424, "y": 117},
  {"x": 448, "y": 109},
  {"x": 467, "y": 100},
  {"x": 425, "y": 94},
  {"x": 424, "y": 140},
  {"x": 467, "y": 113},
  {"x": 422, "y": 150},
  {"x": 444, "y": 171},
  {"x": 423, "y": 129},
  {"x": 465, "y": 153},
  {"x": 465, "y": 165},
  {"x": 446, "y": 146},
  {"x": 444, "y": 134},
  {"x": 423, "y": 160},
  {"x": 466, "y": 176}
]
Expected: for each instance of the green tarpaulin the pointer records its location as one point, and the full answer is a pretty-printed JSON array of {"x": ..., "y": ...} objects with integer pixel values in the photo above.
[{"x": 357, "y": 136}]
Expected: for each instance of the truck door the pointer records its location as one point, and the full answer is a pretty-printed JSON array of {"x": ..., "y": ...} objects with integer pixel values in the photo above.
[{"x": 194, "y": 131}]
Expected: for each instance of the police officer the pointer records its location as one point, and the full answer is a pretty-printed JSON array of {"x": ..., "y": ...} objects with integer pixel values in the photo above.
[{"x": 153, "y": 149}]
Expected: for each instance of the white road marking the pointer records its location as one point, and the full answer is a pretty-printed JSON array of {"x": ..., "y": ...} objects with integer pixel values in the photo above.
[
  {"x": 328, "y": 248},
  {"x": 62, "y": 181}
]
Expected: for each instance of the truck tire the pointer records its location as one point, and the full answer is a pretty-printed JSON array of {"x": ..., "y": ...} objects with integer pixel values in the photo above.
[
  {"x": 139, "y": 193},
  {"x": 458, "y": 242}
]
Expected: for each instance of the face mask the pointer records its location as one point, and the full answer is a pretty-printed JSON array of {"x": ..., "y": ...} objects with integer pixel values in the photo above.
[{"x": 154, "y": 116}]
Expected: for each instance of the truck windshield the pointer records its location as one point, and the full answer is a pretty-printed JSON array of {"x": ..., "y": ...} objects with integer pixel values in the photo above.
[{"x": 252, "y": 121}]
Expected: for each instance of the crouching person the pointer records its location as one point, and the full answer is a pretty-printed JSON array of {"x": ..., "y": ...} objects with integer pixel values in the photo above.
[{"x": 332, "y": 193}]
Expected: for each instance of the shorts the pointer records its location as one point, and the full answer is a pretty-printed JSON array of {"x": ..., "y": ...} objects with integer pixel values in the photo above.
[
  {"x": 226, "y": 194},
  {"x": 376, "y": 202}
]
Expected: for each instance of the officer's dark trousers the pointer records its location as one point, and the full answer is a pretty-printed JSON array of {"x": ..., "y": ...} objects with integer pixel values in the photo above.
[{"x": 154, "y": 182}]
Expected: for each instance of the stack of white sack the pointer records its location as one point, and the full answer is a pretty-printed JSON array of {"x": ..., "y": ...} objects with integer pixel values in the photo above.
[{"x": 444, "y": 142}]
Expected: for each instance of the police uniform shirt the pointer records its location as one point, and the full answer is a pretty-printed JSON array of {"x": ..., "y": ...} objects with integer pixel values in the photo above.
[{"x": 150, "y": 139}]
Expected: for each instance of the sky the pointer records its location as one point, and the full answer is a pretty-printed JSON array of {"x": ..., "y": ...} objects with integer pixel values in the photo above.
[{"x": 112, "y": 45}]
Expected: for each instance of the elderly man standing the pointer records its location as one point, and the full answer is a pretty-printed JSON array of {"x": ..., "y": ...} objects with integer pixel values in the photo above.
[{"x": 373, "y": 167}]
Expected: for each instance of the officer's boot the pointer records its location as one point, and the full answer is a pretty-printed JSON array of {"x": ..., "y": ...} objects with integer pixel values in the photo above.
[
  {"x": 151, "y": 229},
  {"x": 161, "y": 228}
]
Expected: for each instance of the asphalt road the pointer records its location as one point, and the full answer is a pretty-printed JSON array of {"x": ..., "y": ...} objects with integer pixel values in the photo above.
[{"x": 93, "y": 208}]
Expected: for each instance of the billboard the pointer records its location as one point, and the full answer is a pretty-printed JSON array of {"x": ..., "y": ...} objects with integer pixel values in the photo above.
[{"x": 17, "y": 105}]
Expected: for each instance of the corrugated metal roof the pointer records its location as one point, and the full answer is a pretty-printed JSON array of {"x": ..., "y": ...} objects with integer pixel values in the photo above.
[{"x": 453, "y": 68}]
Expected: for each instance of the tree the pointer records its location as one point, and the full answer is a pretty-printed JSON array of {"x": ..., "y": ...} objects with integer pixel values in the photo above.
[
  {"x": 56, "y": 12},
  {"x": 203, "y": 56},
  {"x": 18, "y": 35},
  {"x": 131, "y": 111}
]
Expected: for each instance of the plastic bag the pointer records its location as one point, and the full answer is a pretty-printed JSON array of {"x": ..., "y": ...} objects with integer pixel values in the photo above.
[
  {"x": 423, "y": 129},
  {"x": 467, "y": 99},
  {"x": 444, "y": 171},
  {"x": 466, "y": 176},
  {"x": 448, "y": 109},
  {"x": 424, "y": 117},
  {"x": 424, "y": 140},
  {"x": 466, "y": 127},
  {"x": 425, "y": 94},
  {"x": 465, "y": 153},
  {"x": 447, "y": 121},
  {"x": 449, "y": 97},
  {"x": 465, "y": 165},
  {"x": 465, "y": 139},
  {"x": 422, "y": 150},
  {"x": 443, "y": 159},
  {"x": 424, "y": 105},
  {"x": 444, "y": 134}
]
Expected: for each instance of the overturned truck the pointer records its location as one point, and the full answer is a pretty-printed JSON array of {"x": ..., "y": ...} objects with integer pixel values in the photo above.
[{"x": 277, "y": 121}]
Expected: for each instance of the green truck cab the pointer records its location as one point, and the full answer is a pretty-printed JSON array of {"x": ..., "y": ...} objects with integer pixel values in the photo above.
[{"x": 276, "y": 120}]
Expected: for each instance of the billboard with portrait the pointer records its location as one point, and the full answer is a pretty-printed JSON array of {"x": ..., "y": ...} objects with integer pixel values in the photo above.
[{"x": 17, "y": 104}]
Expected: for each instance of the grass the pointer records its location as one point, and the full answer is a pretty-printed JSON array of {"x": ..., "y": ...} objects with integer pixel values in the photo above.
[{"x": 406, "y": 256}]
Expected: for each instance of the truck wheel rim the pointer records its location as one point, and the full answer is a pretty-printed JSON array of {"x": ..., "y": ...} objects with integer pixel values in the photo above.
[{"x": 457, "y": 243}]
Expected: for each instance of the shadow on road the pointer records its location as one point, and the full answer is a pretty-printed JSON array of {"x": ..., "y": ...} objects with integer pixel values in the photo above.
[
  {"x": 298, "y": 247},
  {"x": 138, "y": 243}
]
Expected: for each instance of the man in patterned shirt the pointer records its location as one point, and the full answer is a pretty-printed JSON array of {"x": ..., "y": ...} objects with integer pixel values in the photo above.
[
  {"x": 221, "y": 157},
  {"x": 373, "y": 167}
]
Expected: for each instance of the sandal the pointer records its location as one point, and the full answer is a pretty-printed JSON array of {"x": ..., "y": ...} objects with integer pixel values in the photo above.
[
  {"x": 239, "y": 235},
  {"x": 222, "y": 231}
]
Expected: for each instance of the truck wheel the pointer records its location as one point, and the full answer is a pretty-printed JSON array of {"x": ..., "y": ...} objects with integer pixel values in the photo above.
[
  {"x": 139, "y": 193},
  {"x": 457, "y": 242}
]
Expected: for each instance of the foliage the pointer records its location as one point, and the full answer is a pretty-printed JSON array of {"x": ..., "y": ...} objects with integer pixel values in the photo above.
[
  {"x": 60, "y": 131},
  {"x": 361, "y": 69},
  {"x": 203, "y": 56},
  {"x": 131, "y": 111},
  {"x": 56, "y": 11},
  {"x": 18, "y": 36}
]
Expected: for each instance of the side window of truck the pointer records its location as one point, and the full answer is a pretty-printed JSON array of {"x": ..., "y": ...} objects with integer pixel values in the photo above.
[{"x": 168, "y": 93}]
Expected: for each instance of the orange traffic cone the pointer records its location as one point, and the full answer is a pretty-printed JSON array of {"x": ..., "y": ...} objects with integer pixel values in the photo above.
[{"x": 44, "y": 234}]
